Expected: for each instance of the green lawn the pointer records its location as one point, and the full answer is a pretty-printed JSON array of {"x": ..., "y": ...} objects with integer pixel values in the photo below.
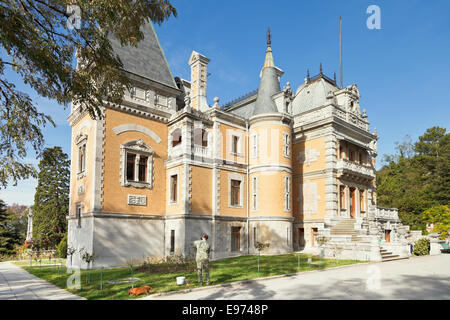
[
  {"x": 221, "y": 271},
  {"x": 36, "y": 263}
]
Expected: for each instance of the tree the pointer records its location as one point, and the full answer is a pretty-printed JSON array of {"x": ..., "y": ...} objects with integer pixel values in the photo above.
[
  {"x": 417, "y": 177},
  {"x": 6, "y": 241},
  {"x": 439, "y": 216},
  {"x": 17, "y": 223},
  {"x": 51, "y": 200},
  {"x": 40, "y": 39}
]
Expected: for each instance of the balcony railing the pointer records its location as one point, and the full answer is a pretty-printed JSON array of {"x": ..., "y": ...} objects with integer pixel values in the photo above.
[
  {"x": 198, "y": 151},
  {"x": 176, "y": 151},
  {"x": 201, "y": 151},
  {"x": 386, "y": 213},
  {"x": 349, "y": 167}
]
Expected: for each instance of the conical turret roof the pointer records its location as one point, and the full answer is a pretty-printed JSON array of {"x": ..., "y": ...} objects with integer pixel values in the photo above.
[{"x": 269, "y": 84}]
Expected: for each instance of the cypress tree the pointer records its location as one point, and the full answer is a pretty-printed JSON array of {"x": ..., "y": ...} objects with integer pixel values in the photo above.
[{"x": 51, "y": 200}]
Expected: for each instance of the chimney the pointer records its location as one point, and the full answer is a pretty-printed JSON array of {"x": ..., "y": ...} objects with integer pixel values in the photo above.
[{"x": 198, "y": 65}]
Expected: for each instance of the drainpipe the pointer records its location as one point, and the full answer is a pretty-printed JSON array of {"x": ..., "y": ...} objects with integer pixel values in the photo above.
[{"x": 247, "y": 202}]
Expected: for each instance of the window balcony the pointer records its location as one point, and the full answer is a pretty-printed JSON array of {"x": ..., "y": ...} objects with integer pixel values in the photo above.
[{"x": 354, "y": 171}]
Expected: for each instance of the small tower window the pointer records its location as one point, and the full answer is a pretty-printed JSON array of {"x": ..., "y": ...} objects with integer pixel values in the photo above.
[
  {"x": 173, "y": 188},
  {"x": 176, "y": 137}
]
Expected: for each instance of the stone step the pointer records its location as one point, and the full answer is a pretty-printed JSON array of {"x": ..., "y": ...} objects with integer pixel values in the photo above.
[
  {"x": 392, "y": 259},
  {"x": 389, "y": 256}
]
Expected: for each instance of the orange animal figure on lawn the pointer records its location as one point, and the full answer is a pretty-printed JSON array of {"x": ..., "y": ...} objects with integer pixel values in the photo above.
[{"x": 139, "y": 290}]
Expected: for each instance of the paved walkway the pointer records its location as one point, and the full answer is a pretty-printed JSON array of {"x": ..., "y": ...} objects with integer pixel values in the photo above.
[
  {"x": 17, "y": 284},
  {"x": 415, "y": 278}
]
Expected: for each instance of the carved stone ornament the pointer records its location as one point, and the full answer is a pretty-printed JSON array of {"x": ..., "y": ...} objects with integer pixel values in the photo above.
[
  {"x": 138, "y": 145},
  {"x": 134, "y": 200},
  {"x": 80, "y": 138}
]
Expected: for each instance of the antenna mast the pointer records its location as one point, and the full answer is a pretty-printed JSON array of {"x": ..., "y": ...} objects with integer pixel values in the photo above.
[{"x": 340, "y": 41}]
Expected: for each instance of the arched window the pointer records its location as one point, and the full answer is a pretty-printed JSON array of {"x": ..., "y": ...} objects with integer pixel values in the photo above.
[
  {"x": 176, "y": 137},
  {"x": 201, "y": 137}
]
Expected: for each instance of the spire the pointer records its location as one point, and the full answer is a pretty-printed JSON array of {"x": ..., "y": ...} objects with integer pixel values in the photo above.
[
  {"x": 269, "y": 84},
  {"x": 268, "y": 63}
]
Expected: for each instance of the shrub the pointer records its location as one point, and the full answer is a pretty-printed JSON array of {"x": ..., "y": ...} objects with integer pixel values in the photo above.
[
  {"x": 422, "y": 247},
  {"x": 62, "y": 247}
]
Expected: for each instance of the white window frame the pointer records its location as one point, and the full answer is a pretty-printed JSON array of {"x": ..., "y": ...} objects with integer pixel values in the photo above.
[
  {"x": 170, "y": 173},
  {"x": 286, "y": 144},
  {"x": 81, "y": 142},
  {"x": 255, "y": 183},
  {"x": 255, "y": 145},
  {"x": 139, "y": 148},
  {"x": 240, "y": 136},
  {"x": 287, "y": 193},
  {"x": 239, "y": 177}
]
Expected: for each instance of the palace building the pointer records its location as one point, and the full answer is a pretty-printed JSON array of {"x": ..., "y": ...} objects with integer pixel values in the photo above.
[{"x": 279, "y": 165}]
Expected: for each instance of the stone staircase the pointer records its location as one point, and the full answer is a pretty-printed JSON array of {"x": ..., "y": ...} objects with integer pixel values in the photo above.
[
  {"x": 389, "y": 256},
  {"x": 347, "y": 227}
]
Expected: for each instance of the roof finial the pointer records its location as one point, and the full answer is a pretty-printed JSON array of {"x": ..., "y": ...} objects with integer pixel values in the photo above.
[
  {"x": 307, "y": 74},
  {"x": 321, "y": 73},
  {"x": 269, "y": 37},
  {"x": 334, "y": 78}
]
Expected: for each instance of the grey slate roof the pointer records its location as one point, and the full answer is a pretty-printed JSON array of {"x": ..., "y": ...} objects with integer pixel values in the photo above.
[
  {"x": 268, "y": 86},
  {"x": 311, "y": 95},
  {"x": 147, "y": 59}
]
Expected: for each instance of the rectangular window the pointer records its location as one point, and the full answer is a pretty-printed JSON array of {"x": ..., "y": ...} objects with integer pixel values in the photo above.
[
  {"x": 235, "y": 192},
  {"x": 287, "y": 193},
  {"x": 351, "y": 155},
  {"x": 235, "y": 144},
  {"x": 78, "y": 214},
  {"x": 254, "y": 194},
  {"x": 172, "y": 241},
  {"x": 81, "y": 158},
  {"x": 360, "y": 158},
  {"x": 173, "y": 188},
  {"x": 255, "y": 146},
  {"x": 131, "y": 158},
  {"x": 143, "y": 169},
  {"x": 287, "y": 145},
  {"x": 235, "y": 239}
]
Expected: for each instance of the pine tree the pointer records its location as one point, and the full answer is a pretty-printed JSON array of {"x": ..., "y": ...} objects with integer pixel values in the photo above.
[{"x": 51, "y": 200}]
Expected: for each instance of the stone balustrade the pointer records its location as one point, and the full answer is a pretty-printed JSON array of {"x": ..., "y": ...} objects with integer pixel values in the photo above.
[
  {"x": 332, "y": 111},
  {"x": 345, "y": 166},
  {"x": 387, "y": 213}
]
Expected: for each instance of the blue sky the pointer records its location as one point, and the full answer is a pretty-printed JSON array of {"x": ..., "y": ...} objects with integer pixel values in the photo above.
[{"x": 402, "y": 70}]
